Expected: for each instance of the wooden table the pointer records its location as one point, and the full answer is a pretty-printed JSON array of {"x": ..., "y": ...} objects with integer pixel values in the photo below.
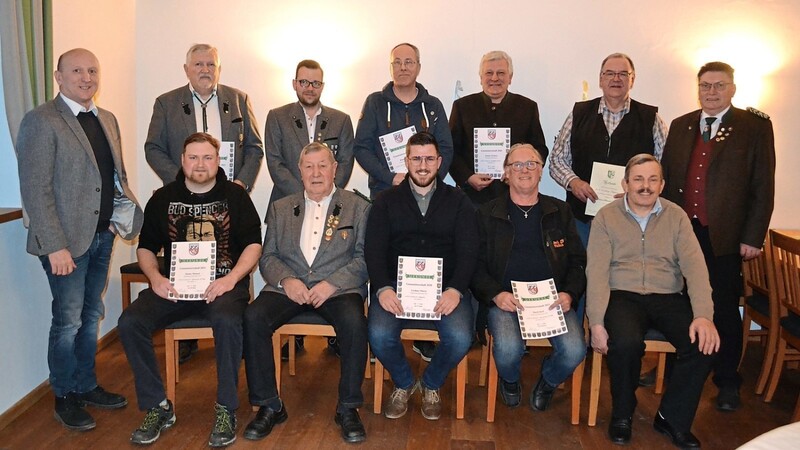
[
  {"x": 791, "y": 233},
  {"x": 9, "y": 214}
]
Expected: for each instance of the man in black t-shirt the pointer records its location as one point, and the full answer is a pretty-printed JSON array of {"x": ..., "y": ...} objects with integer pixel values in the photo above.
[{"x": 201, "y": 198}]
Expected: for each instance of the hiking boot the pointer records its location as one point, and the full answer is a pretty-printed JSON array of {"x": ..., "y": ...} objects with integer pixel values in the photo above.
[
  {"x": 224, "y": 432},
  {"x": 155, "y": 420}
]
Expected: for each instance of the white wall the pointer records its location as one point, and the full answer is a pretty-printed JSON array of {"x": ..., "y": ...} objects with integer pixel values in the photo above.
[{"x": 556, "y": 45}]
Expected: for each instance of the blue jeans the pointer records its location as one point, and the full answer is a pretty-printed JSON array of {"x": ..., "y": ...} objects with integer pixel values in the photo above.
[
  {"x": 77, "y": 309},
  {"x": 455, "y": 339},
  {"x": 569, "y": 349}
]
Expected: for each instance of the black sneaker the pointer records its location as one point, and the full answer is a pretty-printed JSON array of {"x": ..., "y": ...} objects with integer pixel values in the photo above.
[
  {"x": 100, "y": 398},
  {"x": 69, "y": 411},
  {"x": 224, "y": 431},
  {"x": 186, "y": 349},
  {"x": 299, "y": 346},
  {"x": 155, "y": 420},
  {"x": 426, "y": 349}
]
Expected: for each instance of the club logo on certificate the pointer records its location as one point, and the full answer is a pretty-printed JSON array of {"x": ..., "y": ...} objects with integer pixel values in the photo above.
[
  {"x": 419, "y": 286},
  {"x": 490, "y": 148},
  {"x": 394, "y": 148},
  {"x": 536, "y": 319}
]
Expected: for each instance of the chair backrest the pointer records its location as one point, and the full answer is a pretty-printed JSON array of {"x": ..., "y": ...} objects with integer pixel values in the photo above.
[
  {"x": 756, "y": 272},
  {"x": 786, "y": 259}
]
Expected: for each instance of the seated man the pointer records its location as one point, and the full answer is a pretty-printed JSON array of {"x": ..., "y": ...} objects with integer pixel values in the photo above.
[
  {"x": 423, "y": 217},
  {"x": 200, "y": 205},
  {"x": 528, "y": 236},
  {"x": 641, "y": 248},
  {"x": 313, "y": 260}
]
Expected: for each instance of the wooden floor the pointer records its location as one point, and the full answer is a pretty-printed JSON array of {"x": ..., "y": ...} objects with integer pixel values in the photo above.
[{"x": 310, "y": 399}]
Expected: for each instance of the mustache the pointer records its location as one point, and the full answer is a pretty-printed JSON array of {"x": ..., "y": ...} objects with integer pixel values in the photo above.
[{"x": 645, "y": 191}]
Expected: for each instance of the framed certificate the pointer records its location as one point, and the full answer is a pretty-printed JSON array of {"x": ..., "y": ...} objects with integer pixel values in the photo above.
[
  {"x": 536, "y": 320},
  {"x": 394, "y": 148},
  {"x": 192, "y": 268},
  {"x": 226, "y": 157},
  {"x": 419, "y": 286},
  {"x": 490, "y": 148},
  {"x": 607, "y": 182}
]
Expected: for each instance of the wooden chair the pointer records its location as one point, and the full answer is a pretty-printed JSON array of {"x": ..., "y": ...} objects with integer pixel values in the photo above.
[
  {"x": 304, "y": 324},
  {"x": 131, "y": 273},
  {"x": 654, "y": 341},
  {"x": 577, "y": 381},
  {"x": 428, "y": 333},
  {"x": 786, "y": 260},
  {"x": 194, "y": 327},
  {"x": 761, "y": 306}
]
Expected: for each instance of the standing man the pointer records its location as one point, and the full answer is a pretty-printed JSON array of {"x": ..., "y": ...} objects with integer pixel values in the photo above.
[
  {"x": 641, "y": 250},
  {"x": 200, "y": 199},
  {"x": 402, "y": 103},
  {"x": 204, "y": 106},
  {"x": 609, "y": 129},
  {"x": 291, "y": 127},
  {"x": 423, "y": 217},
  {"x": 313, "y": 260},
  {"x": 528, "y": 236},
  {"x": 76, "y": 194},
  {"x": 493, "y": 108},
  {"x": 719, "y": 164}
]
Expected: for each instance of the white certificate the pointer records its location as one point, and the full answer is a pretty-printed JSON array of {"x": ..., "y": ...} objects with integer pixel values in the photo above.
[
  {"x": 193, "y": 267},
  {"x": 491, "y": 146},
  {"x": 394, "y": 148},
  {"x": 536, "y": 320},
  {"x": 226, "y": 158},
  {"x": 607, "y": 182},
  {"x": 419, "y": 286}
]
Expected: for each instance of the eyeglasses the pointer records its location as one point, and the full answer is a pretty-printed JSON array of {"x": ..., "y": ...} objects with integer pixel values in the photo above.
[
  {"x": 610, "y": 75},
  {"x": 720, "y": 86},
  {"x": 530, "y": 165},
  {"x": 307, "y": 83},
  {"x": 410, "y": 63},
  {"x": 420, "y": 159}
]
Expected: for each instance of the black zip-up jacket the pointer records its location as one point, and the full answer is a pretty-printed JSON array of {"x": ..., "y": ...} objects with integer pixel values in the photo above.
[{"x": 563, "y": 247}]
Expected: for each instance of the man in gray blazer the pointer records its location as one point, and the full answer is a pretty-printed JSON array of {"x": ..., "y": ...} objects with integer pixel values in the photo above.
[
  {"x": 291, "y": 127},
  {"x": 312, "y": 260},
  {"x": 76, "y": 194},
  {"x": 204, "y": 105}
]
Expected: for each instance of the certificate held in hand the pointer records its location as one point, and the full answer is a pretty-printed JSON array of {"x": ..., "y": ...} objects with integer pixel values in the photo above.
[
  {"x": 536, "y": 319},
  {"x": 607, "y": 182},
  {"x": 419, "y": 287},
  {"x": 192, "y": 268}
]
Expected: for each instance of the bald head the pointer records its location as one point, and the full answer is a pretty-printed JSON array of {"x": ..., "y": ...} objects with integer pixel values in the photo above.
[{"x": 78, "y": 76}]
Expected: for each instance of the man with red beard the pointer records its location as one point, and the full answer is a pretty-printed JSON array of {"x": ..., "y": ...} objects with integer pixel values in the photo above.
[{"x": 426, "y": 218}]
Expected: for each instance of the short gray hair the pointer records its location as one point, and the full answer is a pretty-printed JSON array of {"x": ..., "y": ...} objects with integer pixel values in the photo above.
[
  {"x": 496, "y": 55},
  {"x": 638, "y": 160},
  {"x": 313, "y": 148},
  {"x": 203, "y": 48}
]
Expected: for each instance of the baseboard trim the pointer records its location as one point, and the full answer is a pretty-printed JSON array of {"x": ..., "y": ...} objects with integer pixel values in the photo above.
[{"x": 43, "y": 389}]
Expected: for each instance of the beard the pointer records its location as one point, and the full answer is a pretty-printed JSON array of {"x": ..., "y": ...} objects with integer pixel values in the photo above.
[
  {"x": 422, "y": 177},
  {"x": 307, "y": 103}
]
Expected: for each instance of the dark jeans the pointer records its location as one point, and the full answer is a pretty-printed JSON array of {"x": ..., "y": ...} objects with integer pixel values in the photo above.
[
  {"x": 726, "y": 282},
  {"x": 150, "y": 313},
  {"x": 77, "y": 309},
  {"x": 627, "y": 318},
  {"x": 271, "y": 310}
]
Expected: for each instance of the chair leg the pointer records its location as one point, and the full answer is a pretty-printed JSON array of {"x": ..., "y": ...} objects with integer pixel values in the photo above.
[
  {"x": 126, "y": 293},
  {"x": 292, "y": 355},
  {"x": 378, "y": 389},
  {"x": 769, "y": 358},
  {"x": 461, "y": 387},
  {"x": 491, "y": 391},
  {"x": 276, "y": 358},
  {"x": 367, "y": 371},
  {"x": 484, "y": 363},
  {"x": 660, "y": 370},
  {"x": 777, "y": 368},
  {"x": 594, "y": 388},
  {"x": 745, "y": 336},
  {"x": 577, "y": 384},
  {"x": 171, "y": 363}
]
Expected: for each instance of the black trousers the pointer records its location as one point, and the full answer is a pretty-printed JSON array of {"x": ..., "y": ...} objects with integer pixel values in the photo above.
[
  {"x": 628, "y": 317},
  {"x": 725, "y": 274},
  {"x": 150, "y": 313},
  {"x": 271, "y": 310}
]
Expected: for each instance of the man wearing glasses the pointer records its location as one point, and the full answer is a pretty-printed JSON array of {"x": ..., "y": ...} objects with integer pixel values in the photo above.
[
  {"x": 719, "y": 165},
  {"x": 609, "y": 129},
  {"x": 388, "y": 117},
  {"x": 295, "y": 125},
  {"x": 527, "y": 236},
  {"x": 421, "y": 217},
  {"x": 502, "y": 115}
]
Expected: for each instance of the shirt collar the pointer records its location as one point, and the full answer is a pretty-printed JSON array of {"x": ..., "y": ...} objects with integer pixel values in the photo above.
[
  {"x": 324, "y": 200},
  {"x": 76, "y": 107},
  {"x": 704, "y": 115},
  {"x": 196, "y": 95},
  {"x": 602, "y": 108}
]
